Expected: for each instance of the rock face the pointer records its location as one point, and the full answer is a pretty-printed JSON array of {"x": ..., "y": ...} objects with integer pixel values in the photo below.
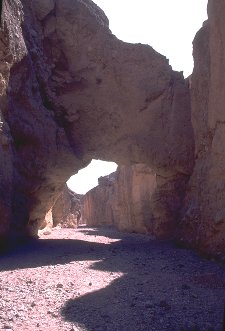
[
  {"x": 96, "y": 207},
  {"x": 122, "y": 199},
  {"x": 67, "y": 209},
  {"x": 129, "y": 199},
  {"x": 203, "y": 223},
  {"x": 70, "y": 92}
]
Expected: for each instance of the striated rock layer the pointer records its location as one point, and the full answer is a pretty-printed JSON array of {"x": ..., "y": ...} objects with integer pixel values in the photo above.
[{"x": 71, "y": 91}]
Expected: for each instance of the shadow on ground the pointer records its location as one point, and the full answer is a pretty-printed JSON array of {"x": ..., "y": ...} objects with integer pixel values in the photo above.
[
  {"x": 161, "y": 287},
  {"x": 109, "y": 232},
  {"x": 37, "y": 253}
]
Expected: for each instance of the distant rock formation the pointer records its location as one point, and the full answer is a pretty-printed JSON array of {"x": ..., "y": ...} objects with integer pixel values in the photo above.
[
  {"x": 122, "y": 199},
  {"x": 96, "y": 207},
  {"x": 67, "y": 209},
  {"x": 65, "y": 212},
  {"x": 129, "y": 200}
]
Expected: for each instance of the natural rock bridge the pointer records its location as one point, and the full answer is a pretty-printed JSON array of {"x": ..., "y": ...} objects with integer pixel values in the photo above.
[{"x": 71, "y": 91}]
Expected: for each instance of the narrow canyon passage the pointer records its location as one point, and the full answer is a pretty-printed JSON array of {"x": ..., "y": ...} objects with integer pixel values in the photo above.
[{"x": 93, "y": 279}]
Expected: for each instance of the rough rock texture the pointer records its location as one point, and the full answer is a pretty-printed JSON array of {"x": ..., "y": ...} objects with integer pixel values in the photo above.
[
  {"x": 129, "y": 200},
  {"x": 203, "y": 223},
  {"x": 122, "y": 199},
  {"x": 96, "y": 206},
  {"x": 67, "y": 209},
  {"x": 47, "y": 224},
  {"x": 70, "y": 91},
  {"x": 37, "y": 147}
]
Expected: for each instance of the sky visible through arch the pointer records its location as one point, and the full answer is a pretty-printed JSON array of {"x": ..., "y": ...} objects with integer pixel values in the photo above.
[{"x": 169, "y": 27}]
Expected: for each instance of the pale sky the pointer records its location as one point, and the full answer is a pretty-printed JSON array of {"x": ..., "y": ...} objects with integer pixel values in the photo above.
[
  {"x": 169, "y": 27},
  {"x": 87, "y": 178}
]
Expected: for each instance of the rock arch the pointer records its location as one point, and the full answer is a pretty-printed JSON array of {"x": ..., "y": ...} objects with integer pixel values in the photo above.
[{"x": 72, "y": 92}]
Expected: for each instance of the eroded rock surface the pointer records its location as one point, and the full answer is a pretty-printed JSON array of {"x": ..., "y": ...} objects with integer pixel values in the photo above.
[
  {"x": 67, "y": 209},
  {"x": 71, "y": 91},
  {"x": 65, "y": 212},
  {"x": 122, "y": 199},
  {"x": 134, "y": 199},
  {"x": 96, "y": 208},
  {"x": 203, "y": 224}
]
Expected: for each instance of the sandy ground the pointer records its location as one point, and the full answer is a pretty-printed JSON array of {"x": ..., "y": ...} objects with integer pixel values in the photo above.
[{"x": 102, "y": 280}]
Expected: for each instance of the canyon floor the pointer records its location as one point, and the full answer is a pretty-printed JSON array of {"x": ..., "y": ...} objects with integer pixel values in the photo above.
[{"x": 99, "y": 279}]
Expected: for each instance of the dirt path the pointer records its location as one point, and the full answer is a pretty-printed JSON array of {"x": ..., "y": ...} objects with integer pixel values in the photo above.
[{"x": 102, "y": 280}]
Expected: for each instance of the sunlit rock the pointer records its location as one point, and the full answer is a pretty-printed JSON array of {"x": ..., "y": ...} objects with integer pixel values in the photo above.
[
  {"x": 71, "y": 91},
  {"x": 134, "y": 199}
]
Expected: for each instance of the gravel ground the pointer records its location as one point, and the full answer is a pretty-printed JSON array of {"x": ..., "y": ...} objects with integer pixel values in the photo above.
[{"x": 103, "y": 280}]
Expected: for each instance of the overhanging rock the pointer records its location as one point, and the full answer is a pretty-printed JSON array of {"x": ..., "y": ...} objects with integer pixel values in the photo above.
[{"x": 71, "y": 91}]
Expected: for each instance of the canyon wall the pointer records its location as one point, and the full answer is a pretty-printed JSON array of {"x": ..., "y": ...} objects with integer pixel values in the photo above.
[
  {"x": 65, "y": 212},
  {"x": 203, "y": 221},
  {"x": 70, "y": 91},
  {"x": 67, "y": 209},
  {"x": 130, "y": 200},
  {"x": 122, "y": 199}
]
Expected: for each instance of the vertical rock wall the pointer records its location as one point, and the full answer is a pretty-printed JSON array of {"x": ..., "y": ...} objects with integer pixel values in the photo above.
[
  {"x": 203, "y": 223},
  {"x": 7, "y": 59},
  {"x": 96, "y": 207},
  {"x": 67, "y": 209},
  {"x": 134, "y": 199},
  {"x": 65, "y": 212},
  {"x": 70, "y": 91},
  {"x": 121, "y": 199}
]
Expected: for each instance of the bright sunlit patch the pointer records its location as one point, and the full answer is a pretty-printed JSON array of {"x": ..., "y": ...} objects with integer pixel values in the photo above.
[
  {"x": 87, "y": 178},
  {"x": 168, "y": 26}
]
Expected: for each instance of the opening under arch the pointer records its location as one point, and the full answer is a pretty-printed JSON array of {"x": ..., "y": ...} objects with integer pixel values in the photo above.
[{"x": 87, "y": 178}]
